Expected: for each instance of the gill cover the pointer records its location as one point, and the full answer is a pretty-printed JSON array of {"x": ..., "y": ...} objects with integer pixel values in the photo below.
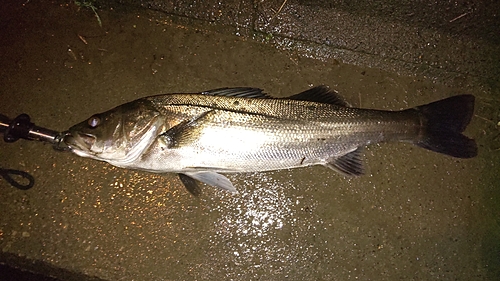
[{"x": 117, "y": 136}]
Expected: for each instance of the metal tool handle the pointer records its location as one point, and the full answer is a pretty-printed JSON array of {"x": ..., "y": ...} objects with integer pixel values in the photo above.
[{"x": 22, "y": 128}]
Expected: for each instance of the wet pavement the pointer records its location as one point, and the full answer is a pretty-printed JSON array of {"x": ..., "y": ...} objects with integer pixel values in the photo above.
[
  {"x": 416, "y": 215},
  {"x": 450, "y": 40}
]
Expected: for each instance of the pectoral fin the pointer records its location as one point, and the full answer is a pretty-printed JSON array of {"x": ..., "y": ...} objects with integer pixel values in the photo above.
[
  {"x": 185, "y": 132},
  {"x": 213, "y": 179}
]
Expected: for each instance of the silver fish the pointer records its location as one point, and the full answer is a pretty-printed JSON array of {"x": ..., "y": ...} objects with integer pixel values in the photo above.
[{"x": 234, "y": 130}]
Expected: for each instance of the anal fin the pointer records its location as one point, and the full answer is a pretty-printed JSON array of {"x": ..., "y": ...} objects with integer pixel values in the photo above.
[{"x": 349, "y": 164}]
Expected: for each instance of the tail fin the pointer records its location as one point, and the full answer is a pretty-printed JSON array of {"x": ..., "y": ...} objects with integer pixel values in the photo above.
[{"x": 444, "y": 122}]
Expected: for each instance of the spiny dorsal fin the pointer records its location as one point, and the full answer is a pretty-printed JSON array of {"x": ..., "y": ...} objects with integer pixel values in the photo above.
[
  {"x": 241, "y": 92},
  {"x": 349, "y": 164},
  {"x": 321, "y": 94}
]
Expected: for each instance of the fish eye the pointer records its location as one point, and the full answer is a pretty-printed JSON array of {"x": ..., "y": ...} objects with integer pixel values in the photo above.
[{"x": 94, "y": 121}]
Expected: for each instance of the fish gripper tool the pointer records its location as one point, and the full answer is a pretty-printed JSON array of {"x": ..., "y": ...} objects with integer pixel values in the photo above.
[{"x": 21, "y": 127}]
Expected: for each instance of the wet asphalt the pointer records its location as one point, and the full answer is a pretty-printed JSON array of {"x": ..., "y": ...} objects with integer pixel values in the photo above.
[{"x": 414, "y": 215}]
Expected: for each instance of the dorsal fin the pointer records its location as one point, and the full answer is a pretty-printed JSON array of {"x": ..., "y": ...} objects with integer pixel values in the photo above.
[
  {"x": 321, "y": 94},
  {"x": 240, "y": 92}
]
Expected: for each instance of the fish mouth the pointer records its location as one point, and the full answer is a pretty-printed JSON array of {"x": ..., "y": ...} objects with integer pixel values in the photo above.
[{"x": 79, "y": 142}]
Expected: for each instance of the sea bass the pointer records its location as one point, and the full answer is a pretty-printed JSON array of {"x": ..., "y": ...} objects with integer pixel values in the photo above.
[{"x": 233, "y": 130}]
